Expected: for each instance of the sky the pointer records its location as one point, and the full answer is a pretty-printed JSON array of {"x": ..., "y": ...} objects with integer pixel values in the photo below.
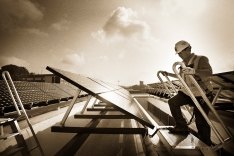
[{"x": 118, "y": 41}]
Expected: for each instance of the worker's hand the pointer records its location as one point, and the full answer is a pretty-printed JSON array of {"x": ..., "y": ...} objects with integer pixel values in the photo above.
[{"x": 188, "y": 71}]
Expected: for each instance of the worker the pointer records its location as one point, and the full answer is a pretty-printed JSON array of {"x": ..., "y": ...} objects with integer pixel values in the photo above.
[{"x": 199, "y": 67}]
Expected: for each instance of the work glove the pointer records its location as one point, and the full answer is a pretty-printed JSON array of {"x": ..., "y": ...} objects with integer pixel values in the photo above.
[{"x": 188, "y": 71}]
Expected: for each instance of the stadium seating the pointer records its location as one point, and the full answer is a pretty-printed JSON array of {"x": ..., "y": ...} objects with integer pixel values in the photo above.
[{"x": 34, "y": 94}]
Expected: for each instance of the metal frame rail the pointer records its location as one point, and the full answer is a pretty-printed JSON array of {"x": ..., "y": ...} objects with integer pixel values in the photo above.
[
  {"x": 222, "y": 140},
  {"x": 221, "y": 87},
  {"x": 100, "y": 90},
  {"x": 95, "y": 130},
  {"x": 91, "y": 127},
  {"x": 14, "y": 94}
]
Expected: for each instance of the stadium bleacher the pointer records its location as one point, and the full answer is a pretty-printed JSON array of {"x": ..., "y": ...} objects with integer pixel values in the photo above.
[{"x": 34, "y": 94}]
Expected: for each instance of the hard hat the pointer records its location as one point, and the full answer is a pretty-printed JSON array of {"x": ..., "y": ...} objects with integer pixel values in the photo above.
[{"x": 181, "y": 45}]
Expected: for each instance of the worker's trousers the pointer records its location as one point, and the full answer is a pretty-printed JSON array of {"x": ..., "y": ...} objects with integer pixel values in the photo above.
[{"x": 202, "y": 126}]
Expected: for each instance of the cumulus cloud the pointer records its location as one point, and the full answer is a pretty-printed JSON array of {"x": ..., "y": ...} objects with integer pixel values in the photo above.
[
  {"x": 123, "y": 23},
  {"x": 13, "y": 60},
  {"x": 60, "y": 25},
  {"x": 73, "y": 59},
  {"x": 17, "y": 13}
]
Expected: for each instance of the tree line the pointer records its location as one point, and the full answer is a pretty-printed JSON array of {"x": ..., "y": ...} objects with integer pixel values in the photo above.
[{"x": 15, "y": 71}]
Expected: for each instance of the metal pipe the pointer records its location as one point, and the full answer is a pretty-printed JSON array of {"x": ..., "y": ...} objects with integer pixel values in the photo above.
[
  {"x": 6, "y": 74},
  {"x": 143, "y": 96},
  {"x": 70, "y": 107},
  {"x": 94, "y": 102},
  {"x": 217, "y": 95},
  {"x": 171, "y": 95},
  {"x": 159, "y": 77},
  {"x": 86, "y": 104},
  {"x": 173, "y": 87},
  {"x": 207, "y": 101},
  {"x": 195, "y": 100},
  {"x": 146, "y": 114}
]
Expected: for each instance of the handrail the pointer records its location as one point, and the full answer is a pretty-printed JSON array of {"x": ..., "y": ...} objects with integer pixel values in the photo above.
[
  {"x": 5, "y": 75},
  {"x": 159, "y": 77},
  {"x": 173, "y": 87},
  {"x": 198, "y": 105},
  {"x": 169, "y": 81},
  {"x": 9, "y": 90}
]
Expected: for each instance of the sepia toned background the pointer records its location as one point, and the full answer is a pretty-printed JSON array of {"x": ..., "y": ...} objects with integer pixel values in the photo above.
[{"x": 122, "y": 41}]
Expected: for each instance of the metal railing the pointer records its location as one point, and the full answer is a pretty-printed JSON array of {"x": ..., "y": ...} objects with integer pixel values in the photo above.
[
  {"x": 169, "y": 81},
  {"x": 187, "y": 108},
  {"x": 15, "y": 97},
  {"x": 206, "y": 101}
]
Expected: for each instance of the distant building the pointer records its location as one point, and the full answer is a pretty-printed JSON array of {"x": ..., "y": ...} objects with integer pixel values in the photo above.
[
  {"x": 50, "y": 78},
  {"x": 141, "y": 83}
]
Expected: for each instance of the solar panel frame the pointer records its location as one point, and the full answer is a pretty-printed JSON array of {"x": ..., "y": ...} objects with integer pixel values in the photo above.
[{"x": 104, "y": 94}]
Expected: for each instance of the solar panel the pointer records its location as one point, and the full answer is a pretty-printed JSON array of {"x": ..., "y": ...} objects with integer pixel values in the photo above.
[
  {"x": 225, "y": 79},
  {"x": 106, "y": 92}
]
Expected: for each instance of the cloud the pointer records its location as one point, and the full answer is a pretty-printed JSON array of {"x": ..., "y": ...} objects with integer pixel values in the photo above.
[
  {"x": 121, "y": 55},
  {"x": 60, "y": 25},
  {"x": 183, "y": 7},
  {"x": 13, "y": 60},
  {"x": 123, "y": 23},
  {"x": 73, "y": 59},
  {"x": 18, "y": 13},
  {"x": 33, "y": 31},
  {"x": 103, "y": 58}
]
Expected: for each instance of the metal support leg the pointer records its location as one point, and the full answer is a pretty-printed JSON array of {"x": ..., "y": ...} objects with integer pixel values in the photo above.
[
  {"x": 70, "y": 108},
  {"x": 95, "y": 101},
  {"x": 216, "y": 96},
  {"x": 86, "y": 104}
]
